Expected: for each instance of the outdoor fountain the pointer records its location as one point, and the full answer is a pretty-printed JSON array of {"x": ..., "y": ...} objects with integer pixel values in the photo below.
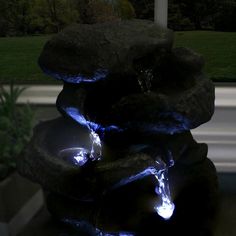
[{"x": 121, "y": 160}]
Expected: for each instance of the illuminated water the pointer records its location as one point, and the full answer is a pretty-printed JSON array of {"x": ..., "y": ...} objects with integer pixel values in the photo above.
[
  {"x": 96, "y": 146},
  {"x": 145, "y": 80},
  {"x": 95, "y": 152},
  {"x": 75, "y": 156},
  {"x": 166, "y": 207}
]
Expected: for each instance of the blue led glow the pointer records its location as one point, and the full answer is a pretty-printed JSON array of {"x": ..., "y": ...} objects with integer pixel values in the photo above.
[
  {"x": 182, "y": 125},
  {"x": 76, "y": 115},
  {"x": 84, "y": 226},
  {"x": 141, "y": 175},
  {"x": 166, "y": 207},
  {"x": 76, "y": 79}
]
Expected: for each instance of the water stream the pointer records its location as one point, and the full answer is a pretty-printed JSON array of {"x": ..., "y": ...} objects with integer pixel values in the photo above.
[{"x": 145, "y": 79}]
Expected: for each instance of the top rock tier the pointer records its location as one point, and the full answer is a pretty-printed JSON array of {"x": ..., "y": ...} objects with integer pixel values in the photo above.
[
  {"x": 89, "y": 52},
  {"x": 127, "y": 74}
]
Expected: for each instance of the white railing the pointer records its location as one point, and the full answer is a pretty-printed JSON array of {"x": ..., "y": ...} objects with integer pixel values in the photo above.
[{"x": 161, "y": 13}]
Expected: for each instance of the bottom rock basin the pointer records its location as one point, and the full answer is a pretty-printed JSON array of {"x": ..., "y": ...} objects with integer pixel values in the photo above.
[{"x": 118, "y": 193}]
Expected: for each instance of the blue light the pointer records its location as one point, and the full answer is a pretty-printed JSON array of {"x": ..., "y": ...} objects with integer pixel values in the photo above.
[
  {"x": 166, "y": 207},
  {"x": 84, "y": 226},
  {"x": 76, "y": 79},
  {"x": 76, "y": 115},
  {"x": 183, "y": 125}
]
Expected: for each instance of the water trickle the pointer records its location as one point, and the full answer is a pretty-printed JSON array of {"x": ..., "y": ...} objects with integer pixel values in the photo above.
[
  {"x": 145, "y": 79},
  {"x": 96, "y": 145},
  {"x": 166, "y": 207}
]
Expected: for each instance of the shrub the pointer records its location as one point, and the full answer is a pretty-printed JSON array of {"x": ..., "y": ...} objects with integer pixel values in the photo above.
[
  {"x": 225, "y": 18},
  {"x": 15, "y": 128}
]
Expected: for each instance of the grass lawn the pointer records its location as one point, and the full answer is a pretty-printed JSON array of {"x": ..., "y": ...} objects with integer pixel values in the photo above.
[
  {"x": 218, "y": 48},
  {"x": 18, "y": 60},
  {"x": 18, "y": 55}
]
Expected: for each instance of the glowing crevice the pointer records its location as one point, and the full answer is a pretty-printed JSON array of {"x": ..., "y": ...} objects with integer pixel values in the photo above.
[
  {"x": 76, "y": 115},
  {"x": 79, "y": 78},
  {"x": 85, "y": 227}
]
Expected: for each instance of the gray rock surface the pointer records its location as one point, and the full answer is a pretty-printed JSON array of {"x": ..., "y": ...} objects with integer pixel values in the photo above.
[
  {"x": 163, "y": 110},
  {"x": 41, "y": 161},
  {"x": 91, "y": 51}
]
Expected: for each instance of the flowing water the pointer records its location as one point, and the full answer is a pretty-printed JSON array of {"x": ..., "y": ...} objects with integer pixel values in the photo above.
[{"x": 145, "y": 79}]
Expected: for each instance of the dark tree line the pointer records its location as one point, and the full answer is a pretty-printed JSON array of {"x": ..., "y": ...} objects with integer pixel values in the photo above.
[
  {"x": 193, "y": 14},
  {"x": 26, "y": 17}
]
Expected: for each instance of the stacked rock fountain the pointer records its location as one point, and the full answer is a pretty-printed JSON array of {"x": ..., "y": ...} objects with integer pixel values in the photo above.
[{"x": 121, "y": 159}]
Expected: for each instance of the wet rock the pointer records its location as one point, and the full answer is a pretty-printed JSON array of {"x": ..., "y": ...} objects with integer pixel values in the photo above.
[
  {"x": 187, "y": 60},
  {"x": 90, "y": 52},
  {"x": 162, "y": 110},
  {"x": 57, "y": 175},
  {"x": 130, "y": 208},
  {"x": 124, "y": 83}
]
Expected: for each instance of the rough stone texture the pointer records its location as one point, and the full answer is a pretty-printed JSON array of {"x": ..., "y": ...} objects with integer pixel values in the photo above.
[
  {"x": 146, "y": 85},
  {"x": 164, "y": 110},
  {"x": 84, "y": 50},
  {"x": 124, "y": 81},
  {"x": 41, "y": 163},
  {"x": 87, "y": 192},
  {"x": 130, "y": 208}
]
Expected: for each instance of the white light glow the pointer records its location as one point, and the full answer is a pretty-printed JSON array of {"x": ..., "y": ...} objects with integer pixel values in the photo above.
[
  {"x": 165, "y": 210},
  {"x": 96, "y": 147},
  {"x": 81, "y": 157}
]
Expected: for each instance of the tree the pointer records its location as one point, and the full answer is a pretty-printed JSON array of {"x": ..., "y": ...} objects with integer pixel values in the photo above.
[
  {"x": 15, "y": 14},
  {"x": 51, "y": 16},
  {"x": 94, "y": 11},
  {"x": 223, "y": 21},
  {"x": 198, "y": 11},
  {"x": 144, "y": 9},
  {"x": 176, "y": 19}
]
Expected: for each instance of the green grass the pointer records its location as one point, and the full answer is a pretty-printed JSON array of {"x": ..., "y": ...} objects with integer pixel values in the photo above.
[
  {"x": 218, "y": 48},
  {"x": 19, "y": 55},
  {"x": 18, "y": 59}
]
